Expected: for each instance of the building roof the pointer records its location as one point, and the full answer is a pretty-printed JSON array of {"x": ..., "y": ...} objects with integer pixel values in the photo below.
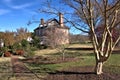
[{"x": 56, "y": 24}]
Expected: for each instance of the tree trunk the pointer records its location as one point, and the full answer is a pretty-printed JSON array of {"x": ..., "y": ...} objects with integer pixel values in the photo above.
[{"x": 99, "y": 67}]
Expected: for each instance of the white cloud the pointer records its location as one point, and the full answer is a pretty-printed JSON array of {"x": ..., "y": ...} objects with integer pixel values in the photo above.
[
  {"x": 21, "y": 6},
  {"x": 4, "y": 11},
  {"x": 11, "y": 4}
]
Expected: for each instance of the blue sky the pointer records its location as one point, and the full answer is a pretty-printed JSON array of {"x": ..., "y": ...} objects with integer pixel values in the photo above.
[{"x": 16, "y": 13}]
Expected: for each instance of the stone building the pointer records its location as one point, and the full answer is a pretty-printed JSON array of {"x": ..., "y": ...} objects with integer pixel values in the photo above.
[{"x": 53, "y": 32}]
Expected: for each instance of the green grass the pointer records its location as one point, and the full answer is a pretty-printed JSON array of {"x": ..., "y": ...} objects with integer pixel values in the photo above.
[
  {"x": 113, "y": 64},
  {"x": 113, "y": 60}
]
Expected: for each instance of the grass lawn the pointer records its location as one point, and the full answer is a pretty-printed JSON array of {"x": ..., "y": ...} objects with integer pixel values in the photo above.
[
  {"x": 45, "y": 51},
  {"x": 48, "y": 51},
  {"x": 81, "y": 45}
]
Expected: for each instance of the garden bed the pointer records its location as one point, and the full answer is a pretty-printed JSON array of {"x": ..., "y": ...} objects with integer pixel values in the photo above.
[{"x": 81, "y": 73}]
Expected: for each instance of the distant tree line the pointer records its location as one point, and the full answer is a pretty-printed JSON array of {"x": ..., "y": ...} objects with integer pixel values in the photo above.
[
  {"x": 9, "y": 37},
  {"x": 78, "y": 38}
]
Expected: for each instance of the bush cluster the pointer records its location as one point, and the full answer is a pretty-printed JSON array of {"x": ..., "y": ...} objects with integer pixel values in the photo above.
[
  {"x": 22, "y": 48},
  {"x": 18, "y": 48}
]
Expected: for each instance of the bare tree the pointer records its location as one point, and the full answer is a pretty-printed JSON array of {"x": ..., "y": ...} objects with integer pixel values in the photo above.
[
  {"x": 99, "y": 31},
  {"x": 62, "y": 49},
  {"x": 87, "y": 15},
  {"x": 57, "y": 38},
  {"x": 49, "y": 38},
  {"x": 22, "y": 33},
  {"x": 92, "y": 12},
  {"x": 8, "y": 38}
]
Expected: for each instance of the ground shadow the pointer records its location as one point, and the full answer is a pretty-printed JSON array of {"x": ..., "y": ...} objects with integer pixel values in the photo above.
[
  {"x": 70, "y": 73},
  {"x": 79, "y": 48},
  {"x": 116, "y": 51}
]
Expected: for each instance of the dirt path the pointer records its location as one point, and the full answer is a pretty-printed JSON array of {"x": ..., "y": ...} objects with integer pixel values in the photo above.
[{"x": 21, "y": 72}]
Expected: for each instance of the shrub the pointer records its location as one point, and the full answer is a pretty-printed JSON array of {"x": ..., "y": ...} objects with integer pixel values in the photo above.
[
  {"x": 7, "y": 54},
  {"x": 20, "y": 52},
  {"x": 17, "y": 46},
  {"x": 41, "y": 46},
  {"x": 24, "y": 43},
  {"x": 4, "y": 49}
]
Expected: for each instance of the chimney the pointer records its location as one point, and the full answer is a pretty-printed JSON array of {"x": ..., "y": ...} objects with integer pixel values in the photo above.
[
  {"x": 61, "y": 19},
  {"x": 42, "y": 22}
]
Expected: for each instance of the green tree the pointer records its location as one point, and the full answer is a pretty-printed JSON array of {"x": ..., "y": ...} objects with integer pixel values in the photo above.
[
  {"x": 24, "y": 43},
  {"x": 36, "y": 41}
]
